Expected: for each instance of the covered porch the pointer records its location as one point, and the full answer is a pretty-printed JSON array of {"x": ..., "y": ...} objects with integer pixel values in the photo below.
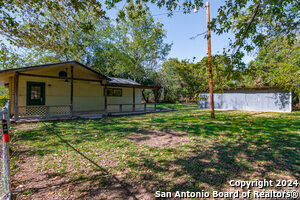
[{"x": 71, "y": 90}]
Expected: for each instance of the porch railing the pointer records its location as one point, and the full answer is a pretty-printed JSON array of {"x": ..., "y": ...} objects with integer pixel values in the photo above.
[
  {"x": 44, "y": 112},
  {"x": 142, "y": 107},
  {"x": 56, "y": 111}
]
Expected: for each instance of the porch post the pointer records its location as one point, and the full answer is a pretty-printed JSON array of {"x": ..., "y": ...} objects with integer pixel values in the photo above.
[
  {"x": 105, "y": 98},
  {"x": 133, "y": 99},
  {"x": 16, "y": 82},
  {"x": 72, "y": 90}
]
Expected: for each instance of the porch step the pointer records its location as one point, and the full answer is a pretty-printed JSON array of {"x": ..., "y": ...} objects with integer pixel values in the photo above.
[{"x": 90, "y": 116}]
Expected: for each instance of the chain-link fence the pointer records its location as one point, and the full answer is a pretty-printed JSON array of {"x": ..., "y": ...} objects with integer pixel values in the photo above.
[
  {"x": 5, "y": 187},
  {"x": 2, "y": 190}
]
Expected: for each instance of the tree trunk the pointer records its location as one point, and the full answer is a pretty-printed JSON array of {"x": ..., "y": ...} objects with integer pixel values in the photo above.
[{"x": 144, "y": 97}]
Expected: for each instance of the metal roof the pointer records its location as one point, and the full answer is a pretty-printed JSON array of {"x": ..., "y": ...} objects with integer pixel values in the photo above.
[{"x": 120, "y": 81}]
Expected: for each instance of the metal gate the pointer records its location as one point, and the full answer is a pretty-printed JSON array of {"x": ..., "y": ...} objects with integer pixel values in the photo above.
[{"x": 5, "y": 185}]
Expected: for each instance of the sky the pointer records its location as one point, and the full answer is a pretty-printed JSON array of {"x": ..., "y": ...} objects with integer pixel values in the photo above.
[{"x": 181, "y": 27}]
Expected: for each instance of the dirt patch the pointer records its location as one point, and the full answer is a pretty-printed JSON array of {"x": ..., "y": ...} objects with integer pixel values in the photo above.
[
  {"x": 23, "y": 127},
  {"x": 94, "y": 184},
  {"x": 160, "y": 138},
  {"x": 262, "y": 114}
]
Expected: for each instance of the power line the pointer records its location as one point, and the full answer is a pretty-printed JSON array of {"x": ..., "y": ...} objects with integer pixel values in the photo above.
[
  {"x": 194, "y": 37},
  {"x": 166, "y": 13}
]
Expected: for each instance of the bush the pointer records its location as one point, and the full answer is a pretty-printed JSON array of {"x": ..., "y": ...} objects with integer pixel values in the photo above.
[{"x": 3, "y": 96}]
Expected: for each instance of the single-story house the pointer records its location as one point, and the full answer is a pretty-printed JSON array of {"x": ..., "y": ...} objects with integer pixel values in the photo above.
[
  {"x": 69, "y": 89},
  {"x": 270, "y": 99}
]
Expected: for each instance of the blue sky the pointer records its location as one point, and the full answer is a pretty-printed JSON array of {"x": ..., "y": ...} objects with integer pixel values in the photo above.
[{"x": 181, "y": 27}]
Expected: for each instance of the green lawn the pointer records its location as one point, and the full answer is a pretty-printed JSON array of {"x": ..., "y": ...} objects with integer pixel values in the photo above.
[{"x": 137, "y": 155}]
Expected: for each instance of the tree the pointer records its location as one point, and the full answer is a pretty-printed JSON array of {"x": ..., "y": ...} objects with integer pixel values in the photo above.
[
  {"x": 277, "y": 64},
  {"x": 140, "y": 41},
  {"x": 253, "y": 22},
  {"x": 71, "y": 39},
  {"x": 225, "y": 76},
  {"x": 9, "y": 58},
  {"x": 53, "y": 31},
  {"x": 4, "y": 95},
  {"x": 60, "y": 34},
  {"x": 16, "y": 14},
  {"x": 186, "y": 79},
  {"x": 171, "y": 81}
]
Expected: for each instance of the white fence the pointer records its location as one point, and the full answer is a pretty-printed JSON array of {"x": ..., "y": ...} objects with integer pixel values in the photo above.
[{"x": 5, "y": 183}]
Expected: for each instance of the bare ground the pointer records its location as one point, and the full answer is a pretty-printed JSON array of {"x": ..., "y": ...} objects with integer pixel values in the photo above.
[{"x": 29, "y": 183}]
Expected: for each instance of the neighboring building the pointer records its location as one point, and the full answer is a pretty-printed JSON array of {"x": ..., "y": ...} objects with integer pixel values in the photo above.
[
  {"x": 69, "y": 89},
  {"x": 252, "y": 99}
]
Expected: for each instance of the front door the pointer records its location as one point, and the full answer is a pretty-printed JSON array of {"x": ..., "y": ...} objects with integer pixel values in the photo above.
[{"x": 35, "y": 93}]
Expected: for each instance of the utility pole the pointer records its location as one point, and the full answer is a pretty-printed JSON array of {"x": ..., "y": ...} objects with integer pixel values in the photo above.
[{"x": 211, "y": 94}]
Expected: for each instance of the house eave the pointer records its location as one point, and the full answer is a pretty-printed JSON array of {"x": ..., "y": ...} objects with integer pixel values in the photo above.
[{"x": 22, "y": 69}]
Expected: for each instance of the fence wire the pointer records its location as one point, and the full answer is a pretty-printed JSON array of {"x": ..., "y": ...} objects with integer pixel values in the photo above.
[{"x": 5, "y": 183}]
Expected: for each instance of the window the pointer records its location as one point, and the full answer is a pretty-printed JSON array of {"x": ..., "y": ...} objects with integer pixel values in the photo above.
[
  {"x": 114, "y": 92},
  {"x": 35, "y": 93}
]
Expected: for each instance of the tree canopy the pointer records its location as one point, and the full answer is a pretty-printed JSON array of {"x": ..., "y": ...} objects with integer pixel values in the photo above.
[
  {"x": 185, "y": 79},
  {"x": 36, "y": 32},
  {"x": 253, "y": 22},
  {"x": 277, "y": 64}
]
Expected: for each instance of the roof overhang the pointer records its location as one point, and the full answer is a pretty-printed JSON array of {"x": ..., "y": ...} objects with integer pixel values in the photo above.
[
  {"x": 132, "y": 86},
  {"x": 9, "y": 72}
]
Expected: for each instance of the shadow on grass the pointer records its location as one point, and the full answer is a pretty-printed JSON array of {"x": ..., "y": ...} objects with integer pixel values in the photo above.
[
  {"x": 88, "y": 186},
  {"x": 233, "y": 146}
]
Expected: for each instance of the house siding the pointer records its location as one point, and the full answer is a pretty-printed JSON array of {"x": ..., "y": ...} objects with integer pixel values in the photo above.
[
  {"x": 11, "y": 86},
  {"x": 88, "y": 95},
  {"x": 57, "y": 92}
]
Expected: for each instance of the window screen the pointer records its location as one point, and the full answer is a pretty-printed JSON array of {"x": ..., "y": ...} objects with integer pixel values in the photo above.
[
  {"x": 114, "y": 92},
  {"x": 35, "y": 92}
]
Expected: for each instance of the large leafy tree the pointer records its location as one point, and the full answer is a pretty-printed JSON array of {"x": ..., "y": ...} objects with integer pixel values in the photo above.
[
  {"x": 225, "y": 76},
  {"x": 53, "y": 31},
  {"x": 140, "y": 42},
  {"x": 171, "y": 80},
  {"x": 15, "y": 15},
  {"x": 185, "y": 79},
  {"x": 253, "y": 22},
  {"x": 62, "y": 36},
  {"x": 277, "y": 64},
  {"x": 57, "y": 34},
  {"x": 9, "y": 57}
]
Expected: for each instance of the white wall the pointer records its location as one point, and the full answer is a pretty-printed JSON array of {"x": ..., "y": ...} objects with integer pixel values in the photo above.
[
  {"x": 88, "y": 96},
  {"x": 259, "y": 100}
]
